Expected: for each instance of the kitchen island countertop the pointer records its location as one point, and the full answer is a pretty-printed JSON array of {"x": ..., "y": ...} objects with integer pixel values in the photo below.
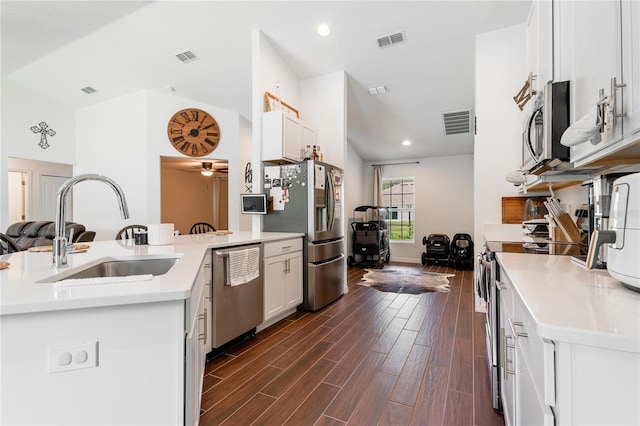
[
  {"x": 570, "y": 303},
  {"x": 21, "y": 293}
]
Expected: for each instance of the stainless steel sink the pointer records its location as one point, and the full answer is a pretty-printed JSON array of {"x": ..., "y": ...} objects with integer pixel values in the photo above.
[{"x": 118, "y": 268}]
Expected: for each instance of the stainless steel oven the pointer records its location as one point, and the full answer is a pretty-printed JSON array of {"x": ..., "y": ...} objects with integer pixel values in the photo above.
[{"x": 487, "y": 269}]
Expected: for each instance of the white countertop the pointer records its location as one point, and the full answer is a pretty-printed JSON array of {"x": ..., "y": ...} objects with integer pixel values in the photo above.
[
  {"x": 570, "y": 303},
  {"x": 20, "y": 292}
]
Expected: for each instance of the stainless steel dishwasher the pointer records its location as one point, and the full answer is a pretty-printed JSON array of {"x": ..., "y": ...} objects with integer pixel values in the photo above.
[{"x": 237, "y": 295}]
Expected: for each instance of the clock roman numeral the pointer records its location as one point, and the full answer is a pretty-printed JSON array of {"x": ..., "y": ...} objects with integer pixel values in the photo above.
[
  {"x": 194, "y": 150},
  {"x": 177, "y": 140},
  {"x": 204, "y": 149},
  {"x": 177, "y": 122},
  {"x": 210, "y": 125},
  {"x": 212, "y": 133},
  {"x": 176, "y": 131},
  {"x": 195, "y": 114},
  {"x": 185, "y": 115},
  {"x": 185, "y": 147},
  {"x": 210, "y": 142}
]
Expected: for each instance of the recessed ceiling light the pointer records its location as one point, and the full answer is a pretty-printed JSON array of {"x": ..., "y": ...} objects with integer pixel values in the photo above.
[
  {"x": 406, "y": 142},
  {"x": 324, "y": 30},
  {"x": 88, "y": 90},
  {"x": 169, "y": 88}
]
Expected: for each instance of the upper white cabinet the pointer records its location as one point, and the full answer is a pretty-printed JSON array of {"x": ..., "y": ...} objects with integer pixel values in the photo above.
[
  {"x": 631, "y": 67},
  {"x": 597, "y": 49},
  {"x": 284, "y": 136},
  {"x": 539, "y": 27}
]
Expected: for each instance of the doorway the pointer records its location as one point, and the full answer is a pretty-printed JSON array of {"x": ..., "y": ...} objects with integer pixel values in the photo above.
[
  {"x": 33, "y": 189},
  {"x": 187, "y": 195}
]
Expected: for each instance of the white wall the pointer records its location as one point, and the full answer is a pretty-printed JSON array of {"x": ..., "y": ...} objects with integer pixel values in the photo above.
[
  {"x": 500, "y": 73},
  {"x": 124, "y": 139},
  {"x": 22, "y": 109},
  {"x": 324, "y": 101},
  {"x": 245, "y": 221},
  {"x": 355, "y": 180},
  {"x": 444, "y": 199}
]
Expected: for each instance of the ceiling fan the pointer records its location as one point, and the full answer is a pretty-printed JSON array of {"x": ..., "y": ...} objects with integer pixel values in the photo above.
[{"x": 208, "y": 168}]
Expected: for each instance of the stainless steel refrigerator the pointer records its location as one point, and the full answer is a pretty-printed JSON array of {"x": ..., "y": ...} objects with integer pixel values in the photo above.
[{"x": 307, "y": 197}]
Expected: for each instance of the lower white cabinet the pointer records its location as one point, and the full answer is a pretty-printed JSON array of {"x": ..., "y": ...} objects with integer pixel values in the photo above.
[
  {"x": 527, "y": 365},
  {"x": 196, "y": 341},
  {"x": 282, "y": 276}
]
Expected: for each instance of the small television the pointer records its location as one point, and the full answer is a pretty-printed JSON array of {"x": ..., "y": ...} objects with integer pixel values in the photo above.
[{"x": 254, "y": 203}]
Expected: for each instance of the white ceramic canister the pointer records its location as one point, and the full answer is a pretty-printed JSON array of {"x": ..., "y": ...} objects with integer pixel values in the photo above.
[{"x": 160, "y": 234}]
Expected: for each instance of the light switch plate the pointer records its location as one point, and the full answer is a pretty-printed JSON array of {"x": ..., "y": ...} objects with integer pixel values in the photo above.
[{"x": 72, "y": 356}]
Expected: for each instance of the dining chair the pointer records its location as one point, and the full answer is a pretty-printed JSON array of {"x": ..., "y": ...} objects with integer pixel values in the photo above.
[
  {"x": 201, "y": 228},
  {"x": 7, "y": 244},
  {"x": 127, "y": 232}
]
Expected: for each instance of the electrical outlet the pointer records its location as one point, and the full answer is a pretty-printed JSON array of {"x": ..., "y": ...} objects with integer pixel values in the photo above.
[{"x": 72, "y": 356}]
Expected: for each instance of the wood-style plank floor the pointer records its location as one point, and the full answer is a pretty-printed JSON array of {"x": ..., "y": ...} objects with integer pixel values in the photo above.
[{"x": 370, "y": 358}]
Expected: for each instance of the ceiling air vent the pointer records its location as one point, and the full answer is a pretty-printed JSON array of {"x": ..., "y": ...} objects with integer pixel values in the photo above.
[
  {"x": 186, "y": 56},
  {"x": 88, "y": 90},
  {"x": 391, "y": 39},
  {"x": 455, "y": 122}
]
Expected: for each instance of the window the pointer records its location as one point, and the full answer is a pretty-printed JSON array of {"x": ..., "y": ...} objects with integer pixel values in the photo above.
[{"x": 398, "y": 195}]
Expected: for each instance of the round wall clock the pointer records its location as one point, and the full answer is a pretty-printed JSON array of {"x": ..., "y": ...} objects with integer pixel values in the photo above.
[{"x": 193, "y": 132}]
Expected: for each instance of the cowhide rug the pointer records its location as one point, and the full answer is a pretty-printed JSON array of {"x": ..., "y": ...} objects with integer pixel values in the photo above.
[{"x": 406, "y": 281}]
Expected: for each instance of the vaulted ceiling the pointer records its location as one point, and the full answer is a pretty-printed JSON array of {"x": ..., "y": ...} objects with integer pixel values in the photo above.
[{"x": 118, "y": 47}]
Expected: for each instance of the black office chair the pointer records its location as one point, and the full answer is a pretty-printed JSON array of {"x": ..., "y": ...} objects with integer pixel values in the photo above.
[
  {"x": 7, "y": 244},
  {"x": 201, "y": 228},
  {"x": 127, "y": 232}
]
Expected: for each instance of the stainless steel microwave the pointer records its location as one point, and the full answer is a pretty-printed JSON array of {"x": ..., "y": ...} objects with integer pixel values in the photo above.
[{"x": 544, "y": 126}]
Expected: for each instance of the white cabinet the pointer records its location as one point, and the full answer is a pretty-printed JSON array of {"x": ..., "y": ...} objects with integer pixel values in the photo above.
[
  {"x": 196, "y": 341},
  {"x": 527, "y": 365},
  {"x": 631, "y": 67},
  {"x": 285, "y": 136},
  {"x": 282, "y": 277},
  {"x": 602, "y": 63},
  {"x": 539, "y": 43}
]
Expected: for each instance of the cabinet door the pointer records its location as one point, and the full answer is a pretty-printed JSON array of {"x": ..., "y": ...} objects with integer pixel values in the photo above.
[
  {"x": 531, "y": 411},
  {"x": 208, "y": 303},
  {"x": 589, "y": 52},
  {"x": 293, "y": 281},
  {"x": 307, "y": 137},
  {"x": 274, "y": 297},
  {"x": 194, "y": 366},
  {"x": 539, "y": 39},
  {"x": 631, "y": 63},
  {"x": 508, "y": 366},
  {"x": 291, "y": 142}
]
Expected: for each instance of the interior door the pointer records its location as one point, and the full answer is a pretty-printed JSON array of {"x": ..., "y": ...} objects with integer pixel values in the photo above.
[
  {"x": 17, "y": 197},
  {"x": 49, "y": 186}
]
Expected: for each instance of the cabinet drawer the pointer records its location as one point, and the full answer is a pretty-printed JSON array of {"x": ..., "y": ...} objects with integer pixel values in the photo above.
[{"x": 281, "y": 247}]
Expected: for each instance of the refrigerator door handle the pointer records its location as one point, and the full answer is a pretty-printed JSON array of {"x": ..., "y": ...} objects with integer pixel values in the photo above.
[{"x": 330, "y": 202}]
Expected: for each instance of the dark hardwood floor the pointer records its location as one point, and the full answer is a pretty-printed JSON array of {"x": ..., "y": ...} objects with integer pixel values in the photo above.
[{"x": 370, "y": 358}]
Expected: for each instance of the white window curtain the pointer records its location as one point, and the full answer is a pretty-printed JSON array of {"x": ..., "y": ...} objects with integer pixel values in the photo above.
[{"x": 377, "y": 185}]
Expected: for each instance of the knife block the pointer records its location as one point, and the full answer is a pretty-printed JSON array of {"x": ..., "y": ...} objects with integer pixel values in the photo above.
[{"x": 568, "y": 229}]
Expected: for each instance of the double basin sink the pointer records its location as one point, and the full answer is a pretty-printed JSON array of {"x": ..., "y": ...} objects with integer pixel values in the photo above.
[{"x": 117, "y": 267}]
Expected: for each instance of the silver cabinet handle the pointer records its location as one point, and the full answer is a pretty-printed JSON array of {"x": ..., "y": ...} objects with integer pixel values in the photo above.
[
  {"x": 515, "y": 324},
  {"x": 503, "y": 359},
  {"x": 203, "y": 336},
  {"x": 500, "y": 285},
  {"x": 206, "y": 326}
]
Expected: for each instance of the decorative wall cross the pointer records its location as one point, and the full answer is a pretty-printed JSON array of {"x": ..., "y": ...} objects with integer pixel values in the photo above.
[{"x": 44, "y": 130}]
